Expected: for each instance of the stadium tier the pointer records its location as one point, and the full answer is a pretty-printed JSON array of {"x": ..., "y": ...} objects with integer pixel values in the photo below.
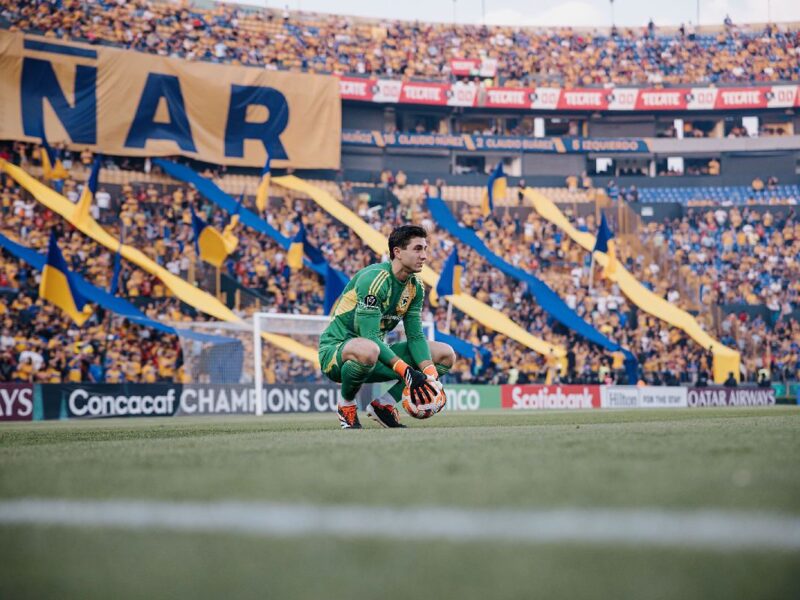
[
  {"x": 239, "y": 243},
  {"x": 696, "y": 181},
  {"x": 156, "y": 219},
  {"x": 507, "y": 56}
]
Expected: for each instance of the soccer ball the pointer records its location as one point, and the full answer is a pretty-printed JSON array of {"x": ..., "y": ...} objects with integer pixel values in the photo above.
[{"x": 424, "y": 411}]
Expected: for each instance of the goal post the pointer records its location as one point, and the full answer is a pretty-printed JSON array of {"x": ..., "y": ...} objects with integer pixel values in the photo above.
[{"x": 306, "y": 329}]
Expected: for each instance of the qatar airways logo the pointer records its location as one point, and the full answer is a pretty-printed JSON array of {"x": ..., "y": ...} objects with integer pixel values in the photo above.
[
  {"x": 506, "y": 96},
  {"x": 583, "y": 98},
  {"x": 353, "y": 88},
  {"x": 413, "y": 92},
  {"x": 731, "y": 397},
  {"x": 741, "y": 97},
  {"x": 661, "y": 98}
]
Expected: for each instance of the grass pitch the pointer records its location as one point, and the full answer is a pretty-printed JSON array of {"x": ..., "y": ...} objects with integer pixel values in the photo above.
[{"x": 722, "y": 459}]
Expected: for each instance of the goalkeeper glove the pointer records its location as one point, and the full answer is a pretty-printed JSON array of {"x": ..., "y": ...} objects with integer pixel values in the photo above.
[{"x": 422, "y": 392}]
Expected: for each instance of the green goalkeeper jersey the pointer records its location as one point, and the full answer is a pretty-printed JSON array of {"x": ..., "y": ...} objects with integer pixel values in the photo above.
[{"x": 372, "y": 304}]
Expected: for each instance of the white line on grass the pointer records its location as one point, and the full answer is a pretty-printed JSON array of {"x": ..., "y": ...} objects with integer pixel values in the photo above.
[{"x": 695, "y": 529}]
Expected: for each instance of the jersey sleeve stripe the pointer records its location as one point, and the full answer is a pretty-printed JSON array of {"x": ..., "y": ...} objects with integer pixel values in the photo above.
[{"x": 378, "y": 282}]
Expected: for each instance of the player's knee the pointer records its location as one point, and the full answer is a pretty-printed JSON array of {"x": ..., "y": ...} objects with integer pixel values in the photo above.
[
  {"x": 443, "y": 354},
  {"x": 367, "y": 352},
  {"x": 448, "y": 358}
]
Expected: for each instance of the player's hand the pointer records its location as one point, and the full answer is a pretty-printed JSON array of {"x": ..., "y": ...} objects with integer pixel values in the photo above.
[
  {"x": 431, "y": 373},
  {"x": 422, "y": 392}
]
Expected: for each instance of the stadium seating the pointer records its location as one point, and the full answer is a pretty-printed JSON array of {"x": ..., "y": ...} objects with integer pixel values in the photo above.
[
  {"x": 259, "y": 264},
  {"x": 350, "y": 45},
  {"x": 725, "y": 196}
]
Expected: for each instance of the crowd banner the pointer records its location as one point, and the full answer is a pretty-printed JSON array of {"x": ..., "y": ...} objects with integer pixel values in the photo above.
[
  {"x": 548, "y": 397},
  {"x": 726, "y": 360},
  {"x": 548, "y": 299},
  {"x": 16, "y": 402},
  {"x": 645, "y": 100},
  {"x": 115, "y": 304},
  {"x": 730, "y": 396},
  {"x": 190, "y": 294},
  {"x": 474, "y": 142},
  {"x": 127, "y": 103}
]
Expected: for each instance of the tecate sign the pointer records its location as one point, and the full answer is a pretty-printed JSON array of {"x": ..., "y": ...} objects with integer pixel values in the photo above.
[
  {"x": 16, "y": 402},
  {"x": 699, "y": 397},
  {"x": 538, "y": 397}
]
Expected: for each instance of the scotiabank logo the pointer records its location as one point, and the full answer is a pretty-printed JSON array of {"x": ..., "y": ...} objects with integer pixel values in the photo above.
[{"x": 542, "y": 397}]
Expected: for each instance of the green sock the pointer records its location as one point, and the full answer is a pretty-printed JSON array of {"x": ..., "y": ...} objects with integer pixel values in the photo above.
[
  {"x": 354, "y": 374},
  {"x": 397, "y": 389}
]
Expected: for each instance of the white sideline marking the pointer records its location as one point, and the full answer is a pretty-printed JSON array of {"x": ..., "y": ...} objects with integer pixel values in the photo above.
[{"x": 722, "y": 530}]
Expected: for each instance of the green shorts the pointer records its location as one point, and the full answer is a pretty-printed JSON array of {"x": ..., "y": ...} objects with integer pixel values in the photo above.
[{"x": 330, "y": 359}]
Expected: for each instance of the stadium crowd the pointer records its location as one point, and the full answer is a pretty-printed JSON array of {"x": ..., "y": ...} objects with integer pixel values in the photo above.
[
  {"x": 157, "y": 220},
  {"x": 344, "y": 45}
]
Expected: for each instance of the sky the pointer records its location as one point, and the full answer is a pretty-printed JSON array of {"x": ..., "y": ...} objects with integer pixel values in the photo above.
[{"x": 532, "y": 13}]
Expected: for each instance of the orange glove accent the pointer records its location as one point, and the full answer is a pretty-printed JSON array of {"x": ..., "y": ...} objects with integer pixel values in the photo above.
[
  {"x": 430, "y": 371},
  {"x": 400, "y": 368}
]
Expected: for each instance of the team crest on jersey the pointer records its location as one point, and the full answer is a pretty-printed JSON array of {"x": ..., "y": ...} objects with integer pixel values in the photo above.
[{"x": 406, "y": 297}]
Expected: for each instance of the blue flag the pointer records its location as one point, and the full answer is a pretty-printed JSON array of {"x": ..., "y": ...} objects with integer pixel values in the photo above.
[
  {"x": 450, "y": 280},
  {"x": 605, "y": 243},
  {"x": 57, "y": 285},
  {"x": 114, "y": 287},
  {"x": 208, "y": 242},
  {"x": 495, "y": 188},
  {"x": 294, "y": 256},
  {"x": 335, "y": 282}
]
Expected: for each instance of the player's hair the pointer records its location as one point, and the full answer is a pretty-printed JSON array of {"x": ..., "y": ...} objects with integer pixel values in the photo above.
[{"x": 402, "y": 235}]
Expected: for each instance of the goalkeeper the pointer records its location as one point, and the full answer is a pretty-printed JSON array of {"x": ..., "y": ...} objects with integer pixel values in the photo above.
[{"x": 352, "y": 350}]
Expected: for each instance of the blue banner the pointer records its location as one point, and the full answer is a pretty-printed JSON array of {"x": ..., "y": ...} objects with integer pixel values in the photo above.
[
  {"x": 208, "y": 189},
  {"x": 102, "y": 298},
  {"x": 550, "y": 302}
]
